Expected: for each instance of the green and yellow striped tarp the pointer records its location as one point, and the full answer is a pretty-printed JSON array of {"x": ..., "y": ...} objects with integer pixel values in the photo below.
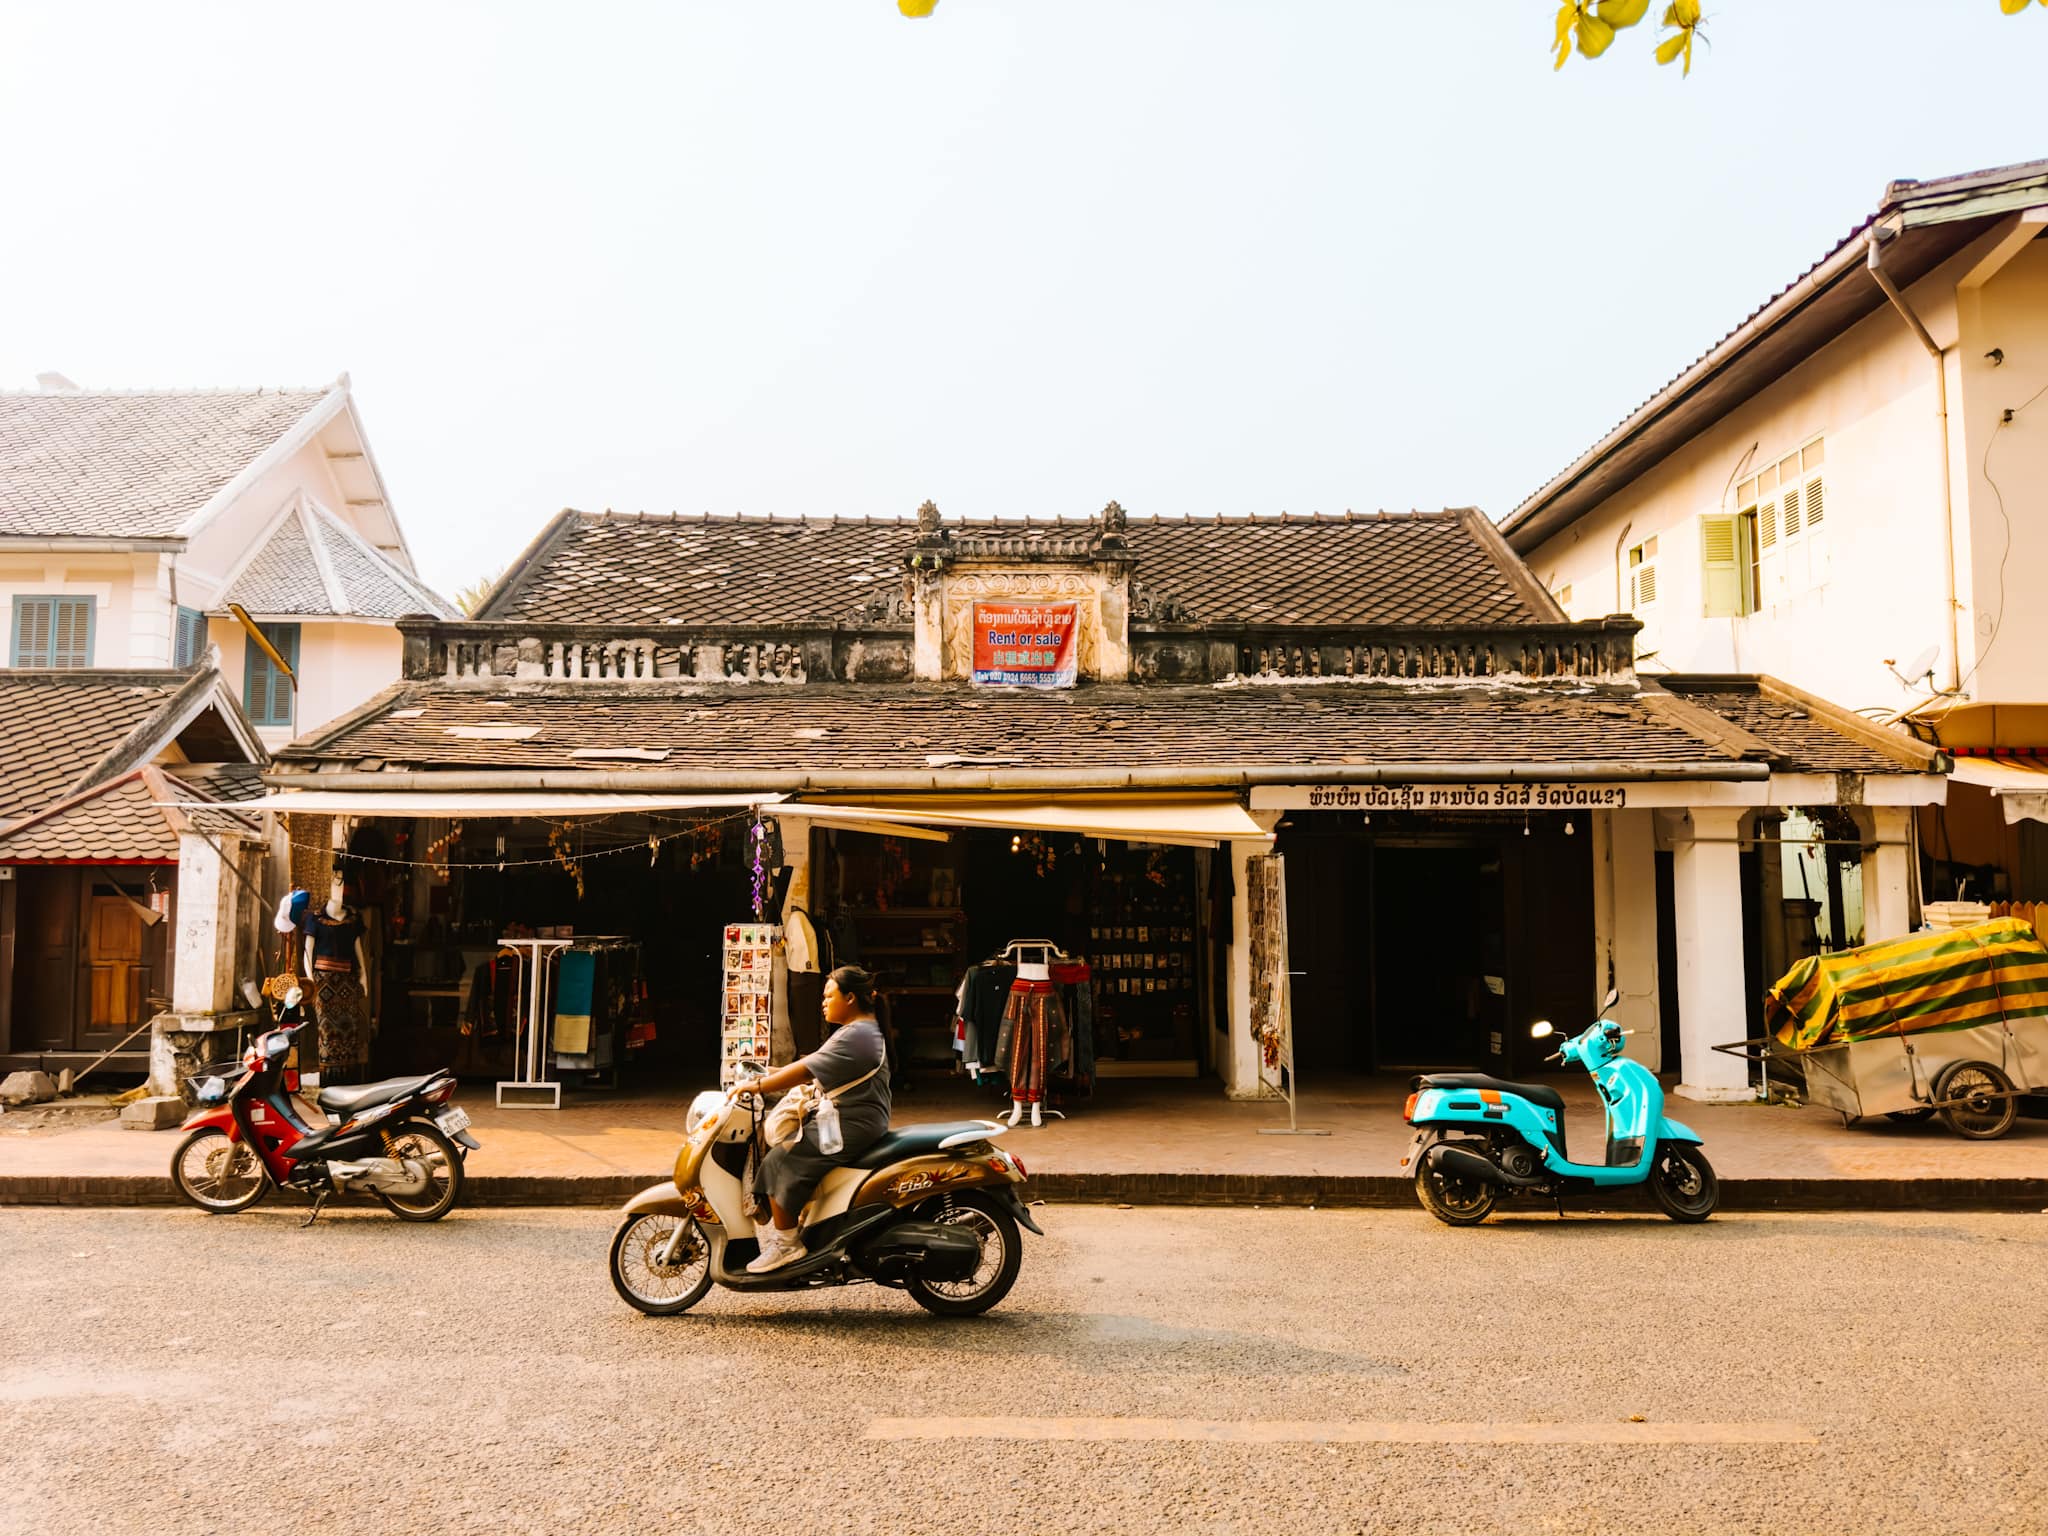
[{"x": 1952, "y": 979}]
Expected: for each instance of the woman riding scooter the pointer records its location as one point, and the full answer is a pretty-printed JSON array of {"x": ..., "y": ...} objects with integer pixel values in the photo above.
[{"x": 852, "y": 1065}]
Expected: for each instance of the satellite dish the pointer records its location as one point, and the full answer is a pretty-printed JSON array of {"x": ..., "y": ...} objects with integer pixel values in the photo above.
[{"x": 1921, "y": 666}]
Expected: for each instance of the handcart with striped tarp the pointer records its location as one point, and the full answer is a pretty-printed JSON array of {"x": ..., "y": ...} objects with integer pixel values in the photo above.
[{"x": 1953, "y": 1023}]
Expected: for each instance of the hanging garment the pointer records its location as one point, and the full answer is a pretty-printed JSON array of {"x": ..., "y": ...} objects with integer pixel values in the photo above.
[
  {"x": 344, "y": 1015},
  {"x": 1033, "y": 1021},
  {"x": 575, "y": 988},
  {"x": 1080, "y": 1000},
  {"x": 984, "y": 1011}
]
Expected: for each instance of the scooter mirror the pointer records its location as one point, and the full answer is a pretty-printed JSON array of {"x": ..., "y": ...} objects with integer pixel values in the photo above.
[
  {"x": 1613, "y": 996},
  {"x": 1541, "y": 1030}
]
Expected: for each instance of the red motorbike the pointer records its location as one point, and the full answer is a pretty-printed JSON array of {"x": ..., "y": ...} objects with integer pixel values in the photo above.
[{"x": 400, "y": 1140}]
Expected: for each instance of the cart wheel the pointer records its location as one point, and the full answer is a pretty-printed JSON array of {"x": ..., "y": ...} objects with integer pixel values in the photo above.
[
  {"x": 1909, "y": 1116},
  {"x": 1984, "y": 1107}
]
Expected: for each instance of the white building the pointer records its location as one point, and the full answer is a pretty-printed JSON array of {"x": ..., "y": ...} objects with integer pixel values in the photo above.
[
  {"x": 1850, "y": 491},
  {"x": 130, "y": 520}
]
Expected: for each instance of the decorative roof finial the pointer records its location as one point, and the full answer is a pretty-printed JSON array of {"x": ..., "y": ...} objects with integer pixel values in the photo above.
[
  {"x": 928, "y": 520},
  {"x": 1114, "y": 518}
]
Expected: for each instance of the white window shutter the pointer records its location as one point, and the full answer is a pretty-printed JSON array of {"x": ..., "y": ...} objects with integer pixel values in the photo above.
[
  {"x": 1815, "y": 504},
  {"x": 71, "y": 636},
  {"x": 1643, "y": 586},
  {"x": 1721, "y": 572},
  {"x": 32, "y": 644},
  {"x": 1767, "y": 525}
]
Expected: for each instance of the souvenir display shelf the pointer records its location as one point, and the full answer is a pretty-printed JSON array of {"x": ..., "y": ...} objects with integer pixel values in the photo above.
[{"x": 748, "y": 1014}]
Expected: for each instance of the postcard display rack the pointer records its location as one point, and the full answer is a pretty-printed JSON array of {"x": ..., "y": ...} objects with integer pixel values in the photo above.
[{"x": 753, "y": 962}]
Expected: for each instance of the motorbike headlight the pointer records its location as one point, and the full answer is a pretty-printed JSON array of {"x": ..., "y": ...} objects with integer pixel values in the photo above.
[{"x": 702, "y": 1108}]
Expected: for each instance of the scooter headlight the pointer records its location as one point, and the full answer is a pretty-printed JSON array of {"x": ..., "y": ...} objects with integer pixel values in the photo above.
[{"x": 702, "y": 1108}]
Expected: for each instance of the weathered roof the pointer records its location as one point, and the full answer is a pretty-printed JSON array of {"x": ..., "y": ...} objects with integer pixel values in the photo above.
[
  {"x": 226, "y": 782},
  {"x": 64, "y": 731},
  {"x": 1933, "y": 220},
  {"x": 1807, "y": 735},
  {"x": 314, "y": 563},
  {"x": 87, "y": 463},
  {"x": 1402, "y": 568},
  {"x": 819, "y": 729},
  {"x": 118, "y": 822}
]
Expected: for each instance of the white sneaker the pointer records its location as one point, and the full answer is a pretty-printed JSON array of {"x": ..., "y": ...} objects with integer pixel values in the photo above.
[{"x": 777, "y": 1249}]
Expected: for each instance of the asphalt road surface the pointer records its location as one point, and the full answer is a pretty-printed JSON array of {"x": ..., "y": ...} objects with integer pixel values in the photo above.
[{"x": 1156, "y": 1369}]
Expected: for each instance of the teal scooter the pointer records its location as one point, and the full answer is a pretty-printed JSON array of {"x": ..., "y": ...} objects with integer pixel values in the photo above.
[{"x": 1478, "y": 1138}]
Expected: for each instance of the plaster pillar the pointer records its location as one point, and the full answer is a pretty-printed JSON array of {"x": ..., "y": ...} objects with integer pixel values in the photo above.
[
  {"x": 1888, "y": 876},
  {"x": 1707, "y": 900},
  {"x": 1240, "y": 1064},
  {"x": 203, "y": 975},
  {"x": 1601, "y": 837},
  {"x": 1632, "y": 865}
]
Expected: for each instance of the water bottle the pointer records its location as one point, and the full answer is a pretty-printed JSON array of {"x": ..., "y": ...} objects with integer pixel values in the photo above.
[{"x": 830, "y": 1141}]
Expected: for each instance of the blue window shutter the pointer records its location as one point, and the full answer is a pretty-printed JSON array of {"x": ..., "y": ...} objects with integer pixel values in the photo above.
[
  {"x": 52, "y": 632},
  {"x": 266, "y": 693},
  {"x": 190, "y": 644}
]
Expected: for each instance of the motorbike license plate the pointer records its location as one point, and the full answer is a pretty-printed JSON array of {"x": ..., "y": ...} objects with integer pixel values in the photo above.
[{"x": 452, "y": 1120}]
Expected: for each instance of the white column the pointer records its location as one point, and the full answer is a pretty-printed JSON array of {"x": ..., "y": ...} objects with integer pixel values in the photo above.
[
  {"x": 1632, "y": 842},
  {"x": 1888, "y": 876},
  {"x": 1602, "y": 844},
  {"x": 1240, "y": 1063},
  {"x": 1707, "y": 871},
  {"x": 203, "y": 976}
]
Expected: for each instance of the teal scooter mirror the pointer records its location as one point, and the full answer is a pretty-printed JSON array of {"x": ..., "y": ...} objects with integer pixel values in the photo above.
[{"x": 1481, "y": 1139}]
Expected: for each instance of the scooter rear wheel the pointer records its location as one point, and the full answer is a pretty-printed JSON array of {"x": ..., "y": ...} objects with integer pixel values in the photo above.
[
  {"x": 1002, "y": 1255},
  {"x": 1455, "y": 1202},
  {"x": 421, "y": 1142},
  {"x": 1682, "y": 1182},
  {"x": 643, "y": 1282}
]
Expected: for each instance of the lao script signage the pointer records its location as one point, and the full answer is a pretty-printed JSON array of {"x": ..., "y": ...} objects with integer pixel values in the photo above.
[
  {"x": 1461, "y": 797},
  {"x": 1029, "y": 645}
]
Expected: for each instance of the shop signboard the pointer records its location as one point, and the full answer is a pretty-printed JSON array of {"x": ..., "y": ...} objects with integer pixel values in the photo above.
[
  {"x": 1510, "y": 795},
  {"x": 1028, "y": 645}
]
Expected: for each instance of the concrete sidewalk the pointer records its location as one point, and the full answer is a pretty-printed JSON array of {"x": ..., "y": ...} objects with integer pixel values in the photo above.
[{"x": 1147, "y": 1142}]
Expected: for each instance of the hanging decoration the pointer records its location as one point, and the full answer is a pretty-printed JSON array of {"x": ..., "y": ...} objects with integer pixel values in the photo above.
[
  {"x": 437, "y": 850},
  {"x": 757, "y": 858},
  {"x": 562, "y": 841},
  {"x": 1040, "y": 851}
]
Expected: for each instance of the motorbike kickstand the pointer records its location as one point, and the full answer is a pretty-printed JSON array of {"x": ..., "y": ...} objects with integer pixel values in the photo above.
[
  {"x": 318, "y": 1201},
  {"x": 1558, "y": 1196}
]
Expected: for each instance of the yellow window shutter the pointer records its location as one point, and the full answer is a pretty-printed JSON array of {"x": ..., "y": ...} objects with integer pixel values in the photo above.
[{"x": 1720, "y": 566}]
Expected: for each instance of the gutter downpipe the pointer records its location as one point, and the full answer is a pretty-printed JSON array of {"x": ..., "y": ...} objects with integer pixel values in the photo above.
[
  {"x": 1875, "y": 239},
  {"x": 999, "y": 780}
]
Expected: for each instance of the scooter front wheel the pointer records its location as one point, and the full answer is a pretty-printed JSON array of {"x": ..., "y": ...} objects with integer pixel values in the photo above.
[
  {"x": 1456, "y": 1202},
  {"x": 1683, "y": 1182},
  {"x": 641, "y": 1277},
  {"x": 218, "y": 1174}
]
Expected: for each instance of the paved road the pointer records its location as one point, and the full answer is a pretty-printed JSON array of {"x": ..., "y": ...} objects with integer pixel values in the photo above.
[{"x": 164, "y": 1372}]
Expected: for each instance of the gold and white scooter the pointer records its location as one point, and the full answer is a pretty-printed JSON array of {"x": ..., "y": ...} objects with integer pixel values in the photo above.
[{"x": 931, "y": 1209}]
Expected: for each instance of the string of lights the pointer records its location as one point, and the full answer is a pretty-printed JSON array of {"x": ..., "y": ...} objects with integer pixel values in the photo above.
[{"x": 649, "y": 844}]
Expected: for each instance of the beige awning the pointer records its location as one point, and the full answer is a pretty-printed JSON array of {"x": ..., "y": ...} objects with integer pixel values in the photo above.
[
  {"x": 1195, "y": 821},
  {"x": 496, "y": 802},
  {"x": 2019, "y": 783}
]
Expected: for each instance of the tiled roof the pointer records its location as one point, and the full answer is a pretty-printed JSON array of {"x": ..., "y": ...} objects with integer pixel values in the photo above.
[
  {"x": 229, "y": 782},
  {"x": 117, "y": 822},
  {"x": 55, "y": 726},
  {"x": 291, "y": 574},
  {"x": 130, "y": 465},
  {"x": 1406, "y": 568},
  {"x": 825, "y": 727},
  {"x": 1802, "y": 741}
]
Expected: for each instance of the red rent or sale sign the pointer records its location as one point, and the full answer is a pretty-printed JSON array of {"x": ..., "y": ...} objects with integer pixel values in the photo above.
[{"x": 1025, "y": 644}]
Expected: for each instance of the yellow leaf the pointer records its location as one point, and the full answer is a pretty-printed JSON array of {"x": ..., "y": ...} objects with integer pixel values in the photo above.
[
  {"x": 1567, "y": 16},
  {"x": 1594, "y": 36},
  {"x": 1682, "y": 13},
  {"x": 1674, "y": 46},
  {"x": 916, "y": 7},
  {"x": 2012, "y": 7},
  {"x": 1621, "y": 13}
]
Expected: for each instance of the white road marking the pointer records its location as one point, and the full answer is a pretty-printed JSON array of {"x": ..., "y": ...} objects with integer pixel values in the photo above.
[{"x": 1343, "y": 1431}]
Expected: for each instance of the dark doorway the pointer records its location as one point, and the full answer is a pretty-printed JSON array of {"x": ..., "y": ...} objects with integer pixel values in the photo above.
[
  {"x": 1667, "y": 963},
  {"x": 1440, "y": 955},
  {"x": 1329, "y": 915}
]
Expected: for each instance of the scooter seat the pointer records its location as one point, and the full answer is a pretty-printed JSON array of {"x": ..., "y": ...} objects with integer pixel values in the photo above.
[
  {"x": 915, "y": 1141},
  {"x": 1535, "y": 1093},
  {"x": 370, "y": 1095}
]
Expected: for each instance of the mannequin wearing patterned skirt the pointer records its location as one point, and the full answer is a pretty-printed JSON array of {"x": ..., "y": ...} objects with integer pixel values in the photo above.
[{"x": 337, "y": 964}]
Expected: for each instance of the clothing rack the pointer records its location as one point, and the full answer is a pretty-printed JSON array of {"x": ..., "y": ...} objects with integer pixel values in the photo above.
[{"x": 531, "y": 1088}]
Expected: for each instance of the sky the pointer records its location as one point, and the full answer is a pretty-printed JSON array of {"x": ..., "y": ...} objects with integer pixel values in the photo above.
[{"x": 1023, "y": 257}]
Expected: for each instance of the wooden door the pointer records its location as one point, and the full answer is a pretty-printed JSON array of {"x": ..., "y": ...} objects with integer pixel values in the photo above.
[
  {"x": 117, "y": 972},
  {"x": 45, "y": 957}
]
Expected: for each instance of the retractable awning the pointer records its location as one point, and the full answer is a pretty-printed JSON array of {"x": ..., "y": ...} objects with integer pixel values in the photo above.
[
  {"x": 1193, "y": 821},
  {"x": 2020, "y": 784},
  {"x": 484, "y": 803}
]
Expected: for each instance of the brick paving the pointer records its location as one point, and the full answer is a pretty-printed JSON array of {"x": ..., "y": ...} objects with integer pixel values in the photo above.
[{"x": 1146, "y": 1142}]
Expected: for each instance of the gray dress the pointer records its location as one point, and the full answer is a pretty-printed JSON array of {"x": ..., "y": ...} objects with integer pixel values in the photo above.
[{"x": 790, "y": 1174}]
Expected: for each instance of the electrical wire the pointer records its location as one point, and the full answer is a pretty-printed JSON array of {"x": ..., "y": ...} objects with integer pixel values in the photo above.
[
  {"x": 2005, "y": 517},
  {"x": 553, "y": 861}
]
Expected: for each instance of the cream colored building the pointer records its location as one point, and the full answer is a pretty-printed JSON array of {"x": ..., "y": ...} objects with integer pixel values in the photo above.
[
  {"x": 1850, "y": 491},
  {"x": 130, "y": 520}
]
